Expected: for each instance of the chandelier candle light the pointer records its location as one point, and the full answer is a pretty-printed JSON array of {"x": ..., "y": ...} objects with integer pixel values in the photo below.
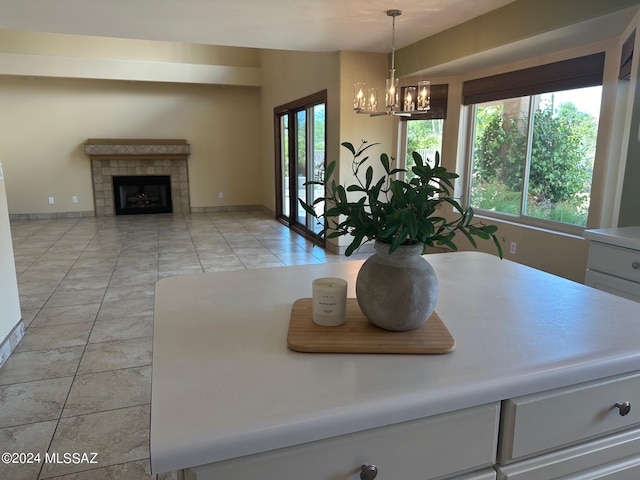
[{"x": 416, "y": 99}]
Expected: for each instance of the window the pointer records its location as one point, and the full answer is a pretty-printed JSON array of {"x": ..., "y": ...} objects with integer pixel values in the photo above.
[
  {"x": 300, "y": 157},
  {"x": 424, "y": 137},
  {"x": 531, "y": 156},
  {"x": 423, "y": 134}
]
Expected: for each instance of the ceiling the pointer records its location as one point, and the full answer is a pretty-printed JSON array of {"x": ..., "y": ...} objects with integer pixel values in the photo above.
[{"x": 306, "y": 25}]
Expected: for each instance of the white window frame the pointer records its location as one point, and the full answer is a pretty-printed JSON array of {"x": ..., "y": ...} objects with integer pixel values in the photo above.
[{"x": 469, "y": 115}]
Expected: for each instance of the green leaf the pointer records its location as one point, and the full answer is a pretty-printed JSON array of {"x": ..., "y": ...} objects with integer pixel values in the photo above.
[
  {"x": 333, "y": 212},
  {"x": 388, "y": 232},
  {"x": 364, "y": 147},
  {"x": 469, "y": 237},
  {"x": 447, "y": 241},
  {"x": 308, "y": 208},
  {"x": 349, "y": 147},
  {"x": 341, "y": 194},
  {"x": 369, "y": 177},
  {"x": 413, "y": 224},
  {"x": 395, "y": 243},
  {"x": 354, "y": 245},
  {"x": 384, "y": 158},
  {"x": 491, "y": 229},
  {"x": 469, "y": 214},
  {"x": 417, "y": 159},
  {"x": 329, "y": 171},
  {"x": 498, "y": 246}
]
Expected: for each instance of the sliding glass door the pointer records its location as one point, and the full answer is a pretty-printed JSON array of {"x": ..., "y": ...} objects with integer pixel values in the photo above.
[{"x": 300, "y": 157}]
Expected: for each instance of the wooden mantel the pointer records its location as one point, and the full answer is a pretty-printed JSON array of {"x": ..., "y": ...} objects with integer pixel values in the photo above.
[{"x": 119, "y": 148}]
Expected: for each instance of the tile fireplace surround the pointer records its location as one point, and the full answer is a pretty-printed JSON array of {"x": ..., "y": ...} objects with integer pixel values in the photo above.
[{"x": 111, "y": 157}]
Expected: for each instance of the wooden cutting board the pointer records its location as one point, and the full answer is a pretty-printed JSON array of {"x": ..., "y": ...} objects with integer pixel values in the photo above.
[{"x": 358, "y": 335}]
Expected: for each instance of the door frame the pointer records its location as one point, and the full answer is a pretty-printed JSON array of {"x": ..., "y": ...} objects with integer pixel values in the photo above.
[{"x": 291, "y": 110}]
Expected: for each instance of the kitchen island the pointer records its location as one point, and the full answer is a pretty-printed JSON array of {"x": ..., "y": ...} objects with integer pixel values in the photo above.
[{"x": 534, "y": 355}]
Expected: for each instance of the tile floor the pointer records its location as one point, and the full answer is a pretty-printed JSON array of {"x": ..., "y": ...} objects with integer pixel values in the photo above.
[{"x": 80, "y": 379}]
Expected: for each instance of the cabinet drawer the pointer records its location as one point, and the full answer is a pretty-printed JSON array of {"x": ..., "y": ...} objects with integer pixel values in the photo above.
[
  {"x": 431, "y": 448},
  {"x": 618, "y": 261},
  {"x": 599, "y": 458},
  {"x": 488, "y": 474},
  {"x": 614, "y": 285},
  {"x": 545, "y": 421}
]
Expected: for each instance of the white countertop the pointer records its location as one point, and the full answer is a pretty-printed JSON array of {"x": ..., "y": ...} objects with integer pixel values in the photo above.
[
  {"x": 628, "y": 237},
  {"x": 225, "y": 385}
]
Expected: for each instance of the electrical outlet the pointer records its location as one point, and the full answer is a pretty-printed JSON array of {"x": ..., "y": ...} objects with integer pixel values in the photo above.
[
  {"x": 74, "y": 199},
  {"x": 52, "y": 200},
  {"x": 220, "y": 195},
  {"x": 512, "y": 248}
]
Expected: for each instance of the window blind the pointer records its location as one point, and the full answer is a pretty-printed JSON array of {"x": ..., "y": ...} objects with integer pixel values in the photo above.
[
  {"x": 439, "y": 95},
  {"x": 626, "y": 57},
  {"x": 578, "y": 72}
]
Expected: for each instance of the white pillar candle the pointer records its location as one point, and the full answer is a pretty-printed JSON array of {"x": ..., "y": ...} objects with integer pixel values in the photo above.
[{"x": 329, "y": 301}]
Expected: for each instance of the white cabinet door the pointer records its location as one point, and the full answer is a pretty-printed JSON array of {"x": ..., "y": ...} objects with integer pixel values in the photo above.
[
  {"x": 616, "y": 286},
  {"x": 432, "y": 448},
  {"x": 555, "y": 419},
  {"x": 612, "y": 457},
  {"x": 625, "y": 470},
  {"x": 617, "y": 261}
]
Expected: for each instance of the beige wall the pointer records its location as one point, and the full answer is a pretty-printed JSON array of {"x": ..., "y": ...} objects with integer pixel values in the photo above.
[
  {"x": 289, "y": 76},
  {"x": 9, "y": 300},
  {"x": 45, "y": 122},
  {"x": 61, "y": 45},
  {"x": 36, "y": 54}
]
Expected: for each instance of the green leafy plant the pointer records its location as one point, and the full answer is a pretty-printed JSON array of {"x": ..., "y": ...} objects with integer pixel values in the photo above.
[{"x": 394, "y": 211}]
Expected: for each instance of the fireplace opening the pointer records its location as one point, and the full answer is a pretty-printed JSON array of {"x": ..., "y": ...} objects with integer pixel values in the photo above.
[{"x": 140, "y": 194}]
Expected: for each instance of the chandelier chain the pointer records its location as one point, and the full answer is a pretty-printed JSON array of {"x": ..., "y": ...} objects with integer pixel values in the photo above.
[
  {"x": 393, "y": 14},
  {"x": 393, "y": 42}
]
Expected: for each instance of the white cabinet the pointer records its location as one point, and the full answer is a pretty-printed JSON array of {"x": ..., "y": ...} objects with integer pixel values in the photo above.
[
  {"x": 587, "y": 431},
  {"x": 445, "y": 446},
  {"x": 614, "y": 261},
  {"x": 581, "y": 432}
]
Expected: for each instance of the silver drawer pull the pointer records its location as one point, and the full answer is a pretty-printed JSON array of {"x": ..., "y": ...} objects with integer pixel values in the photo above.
[
  {"x": 624, "y": 408},
  {"x": 368, "y": 472},
  {"x": 635, "y": 265}
]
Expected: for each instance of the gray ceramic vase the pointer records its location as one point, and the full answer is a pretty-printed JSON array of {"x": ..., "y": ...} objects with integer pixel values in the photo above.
[{"x": 397, "y": 291}]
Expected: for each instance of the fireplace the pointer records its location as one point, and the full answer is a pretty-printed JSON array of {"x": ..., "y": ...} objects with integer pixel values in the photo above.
[
  {"x": 140, "y": 194},
  {"x": 111, "y": 158}
]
